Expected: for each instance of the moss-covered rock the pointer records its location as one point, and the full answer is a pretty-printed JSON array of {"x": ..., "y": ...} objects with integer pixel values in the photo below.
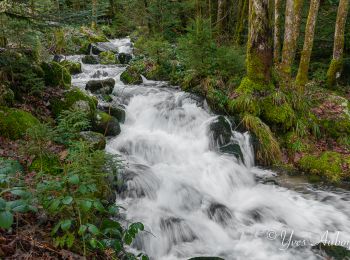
[
  {"x": 281, "y": 115},
  {"x": 107, "y": 57},
  {"x": 56, "y": 75},
  {"x": 116, "y": 111},
  {"x": 74, "y": 98},
  {"x": 106, "y": 124},
  {"x": 6, "y": 95},
  {"x": 46, "y": 164},
  {"x": 330, "y": 251},
  {"x": 333, "y": 115},
  {"x": 124, "y": 58},
  {"x": 96, "y": 140},
  {"x": 90, "y": 59},
  {"x": 131, "y": 76},
  {"x": 72, "y": 67},
  {"x": 104, "y": 86},
  {"x": 15, "y": 122},
  {"x": 330, "y": 166}
]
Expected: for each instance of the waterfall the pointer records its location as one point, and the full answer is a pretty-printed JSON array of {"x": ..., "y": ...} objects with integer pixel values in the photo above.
[{"x": 196, "y": 200}]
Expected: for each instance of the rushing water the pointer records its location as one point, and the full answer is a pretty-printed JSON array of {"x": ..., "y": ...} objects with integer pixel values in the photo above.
[{"x": 196, "y": 201}]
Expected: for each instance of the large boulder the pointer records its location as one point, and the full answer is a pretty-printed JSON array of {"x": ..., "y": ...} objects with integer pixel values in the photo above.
[
  {"x": 90, "y": 59},
  {"x": 333, "y": 114},
  {"x": 74, "y": 99},
  {"x": 104, "y": 86},
  {"x": 131, "y": 77},
  {"x": 14, "y": 123},
  {"x": 124, "y": 58},
  {"x": 72, "y": 67},
  {"x": 98, "y": 47},
  {"x": 96, "y": 140},
  {"x": 106, "y": 124},
  {"x": 114, "y": 110},
  {"x": 56, "y": 75}
]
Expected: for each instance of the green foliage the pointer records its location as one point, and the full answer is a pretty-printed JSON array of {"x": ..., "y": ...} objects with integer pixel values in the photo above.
[
  {"x": 56, "y": 75},
  {"x": 107, "y": 57},
  {"x": 72, "y": 67},
  {"x": 131, "y": 76}
]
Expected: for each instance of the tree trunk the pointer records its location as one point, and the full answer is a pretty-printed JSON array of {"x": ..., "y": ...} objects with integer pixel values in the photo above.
[
  {"x": 220, "y": 15},
  {"x": 291, "y": 34},
  {"x": 241, "y": 21},
  {"x": 303, "y": 70},
  {"x": 259, "y": 47},
  {"x": 277, "y": 32},
  {"x": 335, "y": 68}
]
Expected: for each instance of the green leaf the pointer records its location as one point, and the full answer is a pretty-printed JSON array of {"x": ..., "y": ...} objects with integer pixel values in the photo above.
[
  {"x": 113, "y": 210},
  {"x": 82, "y": 229},
  {"x": 98, "y": 205},
  {"x": 6, "y": 219},
  {"x": 93, "y": 229},
  {"x": 55, "y": 228},
  {"x": 74, "y": 179},
  {"x": 2, "y": 204},
  {"x": 70, "y": 240},
  {"x": 128, "y": 239},
  {"x": 67, "y": 200},
  {"x": 21, "y": 208},
  {"x": 20, "y": 192},
  {"x": 54, "y": 205},
  {"x": 144, "y": 257},
  {"x": 85, "y": 205},
  {"x": 93, "y": 242},
  {"x": 66, "y": 224}
]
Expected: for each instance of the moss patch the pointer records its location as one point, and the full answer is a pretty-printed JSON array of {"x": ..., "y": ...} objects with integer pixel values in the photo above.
[
  {"x": 72, "y": 67},
  {"x": 15, "y": 122},
  {"x": 249, "y": 86},
  {"x": 56, "y": 75},
  {"x": 72, "y": 98},
  {"x": 131, "y": 76},
  {"x": 47, "y": 164},
  {"x": 334, "y": 68},
  {"x": 328, "y": 166},
  {"x": 107, "y": 57}
]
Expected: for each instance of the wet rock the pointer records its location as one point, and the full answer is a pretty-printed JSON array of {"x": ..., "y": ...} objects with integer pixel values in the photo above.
[
  {"x": 124, "y": 58},
  {"x": 104, "y": 86},
  {"x": 98, "y": 47},
  {"x": 90, "y": 59},
  {"x": 115, "y": 110},
  {"x": 177, "y": 229},
  {"x": 99, "y": 74},
  {"x": 58, "y": 58},
  {"x": 220, "y": 132},
  {"x": 220, "y": 213},
  {"x": 332, "y": 251},
  {"x": 234, "y": 149},
  {"x": 106, "y": 124},
  {"x": 96, "y": 140}
]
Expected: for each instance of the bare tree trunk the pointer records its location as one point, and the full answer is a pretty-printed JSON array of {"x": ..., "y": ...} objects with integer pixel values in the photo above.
[
  {"x": 303, "y": 70},
  {"x": 291, "y": 34},
  {"x": 336, "y": 65},
  {"x": 277, "y": 32},
  {"x": 220, "y": 15},
  {"x": 259, "y": 45}
]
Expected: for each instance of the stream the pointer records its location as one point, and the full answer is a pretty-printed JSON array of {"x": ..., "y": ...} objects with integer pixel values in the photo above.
[{"x": 197, "y": 201}]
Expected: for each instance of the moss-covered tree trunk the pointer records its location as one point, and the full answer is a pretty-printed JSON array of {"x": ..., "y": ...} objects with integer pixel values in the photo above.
[
  {"x": 220, "y": 15},
  {"x": 336, "y": 64},
  {"x": 303, "y": 70},
  {"x": 291, "y": 34},
  {"x": 259, "y": 47},
  {"x": 242, "y": 17},
  {"x": 277, "y": 32}
]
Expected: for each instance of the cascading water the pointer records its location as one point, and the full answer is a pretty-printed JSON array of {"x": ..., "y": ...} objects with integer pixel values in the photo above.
[{"x": 197, "y": 201}]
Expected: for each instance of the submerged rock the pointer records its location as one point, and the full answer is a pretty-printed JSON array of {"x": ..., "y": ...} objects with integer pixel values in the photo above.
[
  {"x": 90, "y": 59},
  {"x": 177, "y": 230},
  {"x": 106, "y": 124},
  {"x": 220, "y": 213},
  {"x": 104, "y": 86},
  {"x": 96, "y": 140}
]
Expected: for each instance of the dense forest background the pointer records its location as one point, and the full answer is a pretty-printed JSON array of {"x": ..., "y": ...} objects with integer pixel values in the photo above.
[{"x": 278, "y": 68}]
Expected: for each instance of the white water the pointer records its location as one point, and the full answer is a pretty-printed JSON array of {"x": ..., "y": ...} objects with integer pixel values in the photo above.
[{"x": 195, "y": 201}]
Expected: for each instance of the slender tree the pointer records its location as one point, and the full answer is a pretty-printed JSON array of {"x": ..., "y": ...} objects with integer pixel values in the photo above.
[
  {"x": 220, "y": 15},
  {"x": 242, "y": 16},
  {"x": 336, "y": 65},
  {"x": 303, "y": 70},
  {"x": 277, "y": 32},
  {"x": 291, "y": 34}
]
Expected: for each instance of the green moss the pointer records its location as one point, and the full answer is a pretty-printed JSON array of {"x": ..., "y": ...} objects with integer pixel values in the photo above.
[
  {"x": 131, "y": 76},
  {"x": 267, "y": 148},
  {"x": 334, "y": 68},
  {"x": 56, "y": 75},
  {"x": 72, "y": 67},
  {"x": 47, "y": 164},
  {"x": 244, "y": 103},
  {"x": 107, "y": 57},
  {"x": 328, "y": 165},
  {"x": 249, "y": 86},
  {"x": 15, "y": 122},
  {"x": 90, "y": 59},
  {"x": 70, "y": 100},
  {"x": 281, "y": 115}
]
